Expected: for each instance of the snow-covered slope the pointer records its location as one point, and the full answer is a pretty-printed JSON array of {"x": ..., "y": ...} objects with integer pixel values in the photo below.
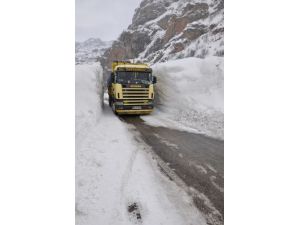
[
  {"x": 116, "y": 177},
  {"x": 184, "y": 28},
  {"x": 190, "y": 94},
  {"x": 90, "y": 50}
]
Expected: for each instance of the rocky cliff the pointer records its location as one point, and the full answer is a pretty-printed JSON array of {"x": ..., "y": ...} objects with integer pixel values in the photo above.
[{"x": 169, "y": 29}]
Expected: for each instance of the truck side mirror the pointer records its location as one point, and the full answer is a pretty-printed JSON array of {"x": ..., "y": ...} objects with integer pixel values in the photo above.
[
  {"x": 154, "y": 80},
  {"x": 112, "y": 77}
]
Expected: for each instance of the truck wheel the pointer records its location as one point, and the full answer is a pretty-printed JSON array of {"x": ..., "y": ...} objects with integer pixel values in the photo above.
[
  {"x": 110, "y": 101},
  {"x": 114, "y": 108}
]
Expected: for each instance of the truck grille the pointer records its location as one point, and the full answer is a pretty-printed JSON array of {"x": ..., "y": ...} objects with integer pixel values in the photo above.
[{"x": 135, "y": 96}]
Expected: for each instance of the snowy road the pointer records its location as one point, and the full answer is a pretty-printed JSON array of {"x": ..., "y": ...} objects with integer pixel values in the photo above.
[
  {"x": 118, "y": 182},
  {"x": 197, "y": 159}
]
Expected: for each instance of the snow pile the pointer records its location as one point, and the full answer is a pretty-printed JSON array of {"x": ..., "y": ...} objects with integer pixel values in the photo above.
[
  {"x": 117, "y": 181},
  {"x": 87, "y": 101},
  {"x": 190, "y": 93}
]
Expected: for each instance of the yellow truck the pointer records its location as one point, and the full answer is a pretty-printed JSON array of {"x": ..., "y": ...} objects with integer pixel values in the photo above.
[{"x": 131, "y": 88}]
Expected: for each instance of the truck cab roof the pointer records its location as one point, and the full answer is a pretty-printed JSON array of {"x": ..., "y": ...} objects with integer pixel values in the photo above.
[{"x": 127, "y": 66}]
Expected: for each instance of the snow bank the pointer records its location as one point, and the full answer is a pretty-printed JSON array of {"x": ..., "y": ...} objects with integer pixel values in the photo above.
[
  {"x": 114, "y": 170},
  {"x": 190, "y": 95},
  {"x": 87, "y": 101}
]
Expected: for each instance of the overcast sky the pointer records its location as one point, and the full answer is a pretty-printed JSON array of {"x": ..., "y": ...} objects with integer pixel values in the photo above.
[{"x": 105, "y": 19}]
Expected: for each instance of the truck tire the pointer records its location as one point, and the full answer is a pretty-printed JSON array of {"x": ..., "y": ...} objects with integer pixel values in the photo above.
[
  {"x": 110, "y": 101},
  {"x": 114, "y": 108}
]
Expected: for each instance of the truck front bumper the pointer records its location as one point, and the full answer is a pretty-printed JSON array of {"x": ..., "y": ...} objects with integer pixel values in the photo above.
[{"x": 133, "y": 109}]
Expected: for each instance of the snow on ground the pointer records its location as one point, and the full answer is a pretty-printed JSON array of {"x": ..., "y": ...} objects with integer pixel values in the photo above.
[
  {"x": 190, "y": 95},
  {"x": 114, "y": 171}
]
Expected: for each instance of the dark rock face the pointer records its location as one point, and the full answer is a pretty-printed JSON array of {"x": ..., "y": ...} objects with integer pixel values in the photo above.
[
  {"x": 178, "y": 47},
  {"x": 134, "y": 42},
  {"x": 170, "y": 29},
  {"x": 163, "y": 23},
  {"x": 196, "y": 11},
  {"x": 175, "y": 26},
  {"x": 148, "y": 12},
  {"x": 194, "y": 31}
]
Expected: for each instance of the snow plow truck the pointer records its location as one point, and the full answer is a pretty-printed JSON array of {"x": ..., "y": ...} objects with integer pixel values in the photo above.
[{"x": 131, "y": 88}]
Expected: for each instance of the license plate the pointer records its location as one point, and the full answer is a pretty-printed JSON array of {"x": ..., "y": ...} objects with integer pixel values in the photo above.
[{"x": 136, "y": 107}]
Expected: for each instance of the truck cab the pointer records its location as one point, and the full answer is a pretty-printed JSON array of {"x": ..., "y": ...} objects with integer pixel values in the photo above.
[{"x": 131, "y": 88}]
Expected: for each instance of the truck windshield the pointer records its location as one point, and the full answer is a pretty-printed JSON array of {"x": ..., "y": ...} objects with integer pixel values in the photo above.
[{"x": 133, "y": 77}]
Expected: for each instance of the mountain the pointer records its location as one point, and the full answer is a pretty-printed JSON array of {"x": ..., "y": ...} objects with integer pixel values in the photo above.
[
  {"x": 90, "y": 50},
  {"x": 170, "y": 29}
]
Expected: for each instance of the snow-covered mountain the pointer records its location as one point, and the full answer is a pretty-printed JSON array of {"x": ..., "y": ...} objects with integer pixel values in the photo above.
[
  {"x": 170, "y": 29},
  {"x": 90, "y": 50}
]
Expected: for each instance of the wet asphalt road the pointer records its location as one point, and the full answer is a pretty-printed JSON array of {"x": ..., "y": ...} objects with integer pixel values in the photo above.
[{"x": 198, "y": 160}]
